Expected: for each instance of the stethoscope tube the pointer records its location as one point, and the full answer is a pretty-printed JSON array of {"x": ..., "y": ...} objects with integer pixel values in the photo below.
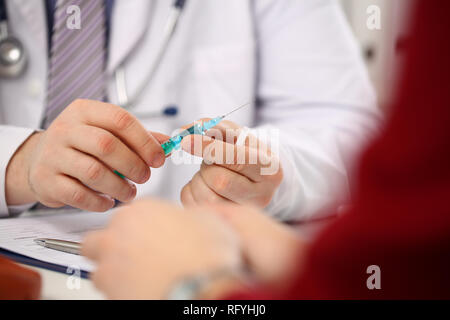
[{"x": 127, "y": 102}]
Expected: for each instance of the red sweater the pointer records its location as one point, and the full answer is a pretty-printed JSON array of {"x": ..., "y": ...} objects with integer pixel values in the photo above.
[{"x": 401, "y": 216}]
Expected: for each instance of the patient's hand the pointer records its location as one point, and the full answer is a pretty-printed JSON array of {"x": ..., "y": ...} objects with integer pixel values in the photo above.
[
  {"x": 273, "y": 251},
  {"x": 151, "y": 245}
]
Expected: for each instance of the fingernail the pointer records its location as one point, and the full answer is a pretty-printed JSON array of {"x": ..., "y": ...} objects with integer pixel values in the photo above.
[
  {"x": 186, "y": 144},
  {"x": 132, "y": 193},
  {"x": 111, "y": 200},
  {"x": 144, "y": 176}
]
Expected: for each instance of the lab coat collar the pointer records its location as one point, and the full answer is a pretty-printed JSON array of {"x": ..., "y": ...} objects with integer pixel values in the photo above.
[
  {"x": 130, "y": 19},
  {"x": 34, "y": 15}
]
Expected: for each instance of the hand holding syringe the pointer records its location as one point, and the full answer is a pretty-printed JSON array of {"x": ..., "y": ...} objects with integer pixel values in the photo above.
[
  {"x": 218, "y": 180},
  {"x": 175, "y": 142}
]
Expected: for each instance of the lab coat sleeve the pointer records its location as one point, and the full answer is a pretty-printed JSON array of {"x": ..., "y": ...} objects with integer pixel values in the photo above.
[
  {"x": 11, "y": 138},
  {"x": 315, "y": 95}
]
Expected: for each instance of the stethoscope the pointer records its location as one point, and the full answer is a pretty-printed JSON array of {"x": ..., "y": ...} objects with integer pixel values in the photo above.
[
  {"x": 12, "y": 53},
  {"x": 127, "y": 102},
  {"x": 13, "y": 61}
]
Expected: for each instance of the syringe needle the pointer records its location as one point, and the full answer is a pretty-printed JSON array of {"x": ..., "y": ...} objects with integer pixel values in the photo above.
[{"x": 239, "y": 108}]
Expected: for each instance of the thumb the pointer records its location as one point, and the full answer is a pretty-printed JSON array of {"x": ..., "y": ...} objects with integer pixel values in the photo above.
[{"x": 195, "y": 144}]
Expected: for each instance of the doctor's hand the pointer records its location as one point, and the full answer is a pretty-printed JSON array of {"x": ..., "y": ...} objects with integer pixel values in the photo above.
[
  {"x": 232, "y": 171},
  {"x": 149, "y": 246},
  {"x": 73, "y": 161}
]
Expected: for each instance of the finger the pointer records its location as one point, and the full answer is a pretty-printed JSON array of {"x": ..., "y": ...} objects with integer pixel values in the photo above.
[
  {"x": 230, "y": 132},
  {"x": 45, "y": 192},
  {"x": 110, "y": 150},
  {"x": 125, "y": 126},
  {"x": 240, "y": 159},
  {"x": 224, "y": 124},
  {"x": 219, "y": 131},
  {"x": 52, "y": 203},
  {"x": 103, "y": 276},
  {"x": 186, "y": 197},
  {"x": 161, "y": 139},
  {"x": 226, "y": 131},
  {"x": 92, "y": 245},
  {"x": 233, "y": 213},
  {"x": 230, "y": 185},
  {"x": 96, "y": 175},
  {"x": 73, "y": 193},
  {"x": 160, "y": 136},
  {"x": 201, "y": 192}
]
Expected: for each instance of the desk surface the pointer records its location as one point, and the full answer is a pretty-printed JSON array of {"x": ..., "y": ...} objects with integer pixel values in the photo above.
[{"x": 55, "y": 287}]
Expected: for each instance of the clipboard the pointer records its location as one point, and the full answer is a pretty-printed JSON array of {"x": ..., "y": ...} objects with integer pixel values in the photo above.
[{"x": 19, "y": 258}]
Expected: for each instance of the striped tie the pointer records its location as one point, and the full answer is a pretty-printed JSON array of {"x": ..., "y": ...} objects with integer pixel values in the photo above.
[{"x": 77, "y": 57}]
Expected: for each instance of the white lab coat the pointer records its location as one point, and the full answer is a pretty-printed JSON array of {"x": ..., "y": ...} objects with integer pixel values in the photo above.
[{"x": 296, "y": 59}]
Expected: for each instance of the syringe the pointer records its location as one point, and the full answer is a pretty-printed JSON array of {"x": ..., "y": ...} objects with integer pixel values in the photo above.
[{"x": 175, "y": 142}]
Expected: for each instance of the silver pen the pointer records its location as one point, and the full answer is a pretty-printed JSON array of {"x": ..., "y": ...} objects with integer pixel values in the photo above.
[{"x": 60, "y": 245}]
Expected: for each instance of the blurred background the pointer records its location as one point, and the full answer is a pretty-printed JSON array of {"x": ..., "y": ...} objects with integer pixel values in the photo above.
[{"x": 381, "y": 48}]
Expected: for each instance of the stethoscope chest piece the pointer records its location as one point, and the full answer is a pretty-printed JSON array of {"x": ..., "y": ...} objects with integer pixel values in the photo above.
[
  {"x": 12, "y": 57},
  {"x": 12, "y": 51}
]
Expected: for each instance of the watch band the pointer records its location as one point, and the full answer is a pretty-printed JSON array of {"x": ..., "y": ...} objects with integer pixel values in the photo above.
[{"x": 190, "y": 287}]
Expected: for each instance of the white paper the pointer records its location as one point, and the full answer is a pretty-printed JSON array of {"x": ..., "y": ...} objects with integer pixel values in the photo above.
[{"x": 18, "y": 235}]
